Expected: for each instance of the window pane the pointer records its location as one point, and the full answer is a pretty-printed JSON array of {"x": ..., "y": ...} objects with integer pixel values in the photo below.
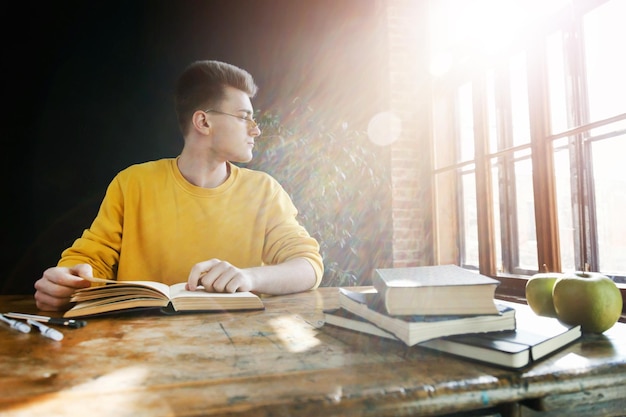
[
  {"x": 497, "y": 227},
  {"x": 519, "y": 100},
  {"x": 446, "y": 224},
  {"x": 526, "y": 234},
  {"x": 492, "y": 113},
  {"x": 466, "y": 123},
  {"x": 514, "y": 213},
  {"x": 604, "y": 33},
  {"x": 610, "y": 201},
  {"x": 609, "y": 129},
  {"x": 443, "y": 131},
  {"x": 564, "y": 205},
  {"x": 556, "y": 82},
  {"x": 470, "y": 218}
]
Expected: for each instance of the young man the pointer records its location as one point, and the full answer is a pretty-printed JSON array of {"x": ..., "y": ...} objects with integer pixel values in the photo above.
[{"x": 196, "y": 217}]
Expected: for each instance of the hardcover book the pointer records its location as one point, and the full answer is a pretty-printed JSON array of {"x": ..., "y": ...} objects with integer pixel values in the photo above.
[
  {"x": 534, "y": 338},
  {"x": 414, "y": 329},
  {"x": 440, "y": 289},
  {"x": 123, "y": 295},
  {"x": 341, "y": 317}
]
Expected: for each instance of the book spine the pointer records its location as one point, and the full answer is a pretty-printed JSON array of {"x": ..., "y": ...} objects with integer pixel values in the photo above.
[{"x": 378, "y": 282}]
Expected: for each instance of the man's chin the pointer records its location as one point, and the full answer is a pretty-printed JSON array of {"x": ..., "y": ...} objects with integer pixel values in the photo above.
[{"x": 242, "y": 160}]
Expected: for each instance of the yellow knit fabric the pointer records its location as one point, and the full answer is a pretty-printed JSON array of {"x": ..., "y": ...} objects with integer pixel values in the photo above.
[{"x": 154, "y": 225}]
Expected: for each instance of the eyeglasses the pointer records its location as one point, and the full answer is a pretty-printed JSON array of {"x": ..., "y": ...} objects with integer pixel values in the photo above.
[{"x": 250, "y": 120}]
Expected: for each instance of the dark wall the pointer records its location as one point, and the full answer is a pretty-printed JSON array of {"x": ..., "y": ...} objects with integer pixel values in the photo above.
[{"x": 87, "y": 91}]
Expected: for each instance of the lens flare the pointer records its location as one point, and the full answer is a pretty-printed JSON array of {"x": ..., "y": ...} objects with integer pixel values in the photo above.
[{"x": 384, "y": 128}]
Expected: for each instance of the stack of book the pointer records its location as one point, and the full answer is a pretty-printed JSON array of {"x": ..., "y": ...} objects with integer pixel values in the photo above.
[{"x": 449, "y": 309}]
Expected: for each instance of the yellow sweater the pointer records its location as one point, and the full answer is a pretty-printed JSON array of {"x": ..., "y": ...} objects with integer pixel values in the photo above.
[{"x": 154, "y": 225}]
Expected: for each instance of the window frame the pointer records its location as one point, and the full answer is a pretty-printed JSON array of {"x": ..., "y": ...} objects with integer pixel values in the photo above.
[{"x": 513, "y": 280}]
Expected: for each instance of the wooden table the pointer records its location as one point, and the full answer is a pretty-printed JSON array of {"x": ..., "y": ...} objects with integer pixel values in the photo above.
[{"x": 283, "y": 362}]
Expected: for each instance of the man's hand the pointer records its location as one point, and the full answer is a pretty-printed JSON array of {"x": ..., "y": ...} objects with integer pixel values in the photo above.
[
  {"x": 55, "y": 287},
  {"x": 219, "y": 276},
  {"x": 288, "y": 277}
]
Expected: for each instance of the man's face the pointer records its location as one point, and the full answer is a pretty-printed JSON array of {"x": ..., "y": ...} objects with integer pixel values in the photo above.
[{"x": 232, "y": 128}]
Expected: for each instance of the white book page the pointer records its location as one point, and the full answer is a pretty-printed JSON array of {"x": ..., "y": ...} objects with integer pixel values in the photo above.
[
  {"x": 158, "y": 286},
  {"x": 178, "y": 290}
]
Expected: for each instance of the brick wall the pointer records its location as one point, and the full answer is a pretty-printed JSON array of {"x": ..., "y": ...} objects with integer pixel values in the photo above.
[{"x": 409, "y": 98}]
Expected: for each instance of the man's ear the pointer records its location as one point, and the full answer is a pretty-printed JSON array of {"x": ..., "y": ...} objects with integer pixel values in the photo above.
[{"x": 201, "y": 122}]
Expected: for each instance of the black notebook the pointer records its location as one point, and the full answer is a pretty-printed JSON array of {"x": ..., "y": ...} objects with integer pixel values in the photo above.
[{"x": 534, "y": 338}]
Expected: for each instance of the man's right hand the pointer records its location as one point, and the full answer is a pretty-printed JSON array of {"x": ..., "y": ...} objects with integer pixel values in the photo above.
[{"x": 55, "y": 287}]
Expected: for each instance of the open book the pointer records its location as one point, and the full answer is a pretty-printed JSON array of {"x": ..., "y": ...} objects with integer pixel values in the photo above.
[{"x": 122, "y": 295}]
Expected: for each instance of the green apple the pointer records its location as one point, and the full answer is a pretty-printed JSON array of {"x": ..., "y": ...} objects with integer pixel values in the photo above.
[
  {"x": 590, "y": 299},
  {"x": 539, "y": 293}
]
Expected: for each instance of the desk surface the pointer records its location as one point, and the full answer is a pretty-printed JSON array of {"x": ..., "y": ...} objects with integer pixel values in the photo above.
[{"x": 278, "y": 362}]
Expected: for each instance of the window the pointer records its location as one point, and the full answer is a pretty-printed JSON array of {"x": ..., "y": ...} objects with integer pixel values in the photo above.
[{"x": 530, "y": 138}]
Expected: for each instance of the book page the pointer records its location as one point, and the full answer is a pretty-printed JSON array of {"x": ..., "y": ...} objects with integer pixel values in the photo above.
[
  {"x": 100, "y": 280},
  {"x": 429, "y": 276},
  {"x": 179, "y": 291},
  {"x": 112, "y": 287}
]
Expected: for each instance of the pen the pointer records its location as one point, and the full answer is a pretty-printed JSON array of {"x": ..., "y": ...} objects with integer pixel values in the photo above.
[
  {"x": 51, "y": 320},
  {"x": 17, "y": 325},
  {"x": 46, "y": 331}
]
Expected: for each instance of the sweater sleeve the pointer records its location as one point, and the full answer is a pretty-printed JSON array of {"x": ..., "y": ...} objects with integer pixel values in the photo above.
[
  {"x": 99, "y": 246},
  {"x": 287, "y": 239}
]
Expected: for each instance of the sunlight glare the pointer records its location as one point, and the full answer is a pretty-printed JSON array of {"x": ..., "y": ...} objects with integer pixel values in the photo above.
[
  {"x": 463, "y": 31},
  {"x": 384, "y": 128},
  {"x": 63, "y": 403},
  {"x": 571, "y": 360},
  {"x": 295, "y": 337}
]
